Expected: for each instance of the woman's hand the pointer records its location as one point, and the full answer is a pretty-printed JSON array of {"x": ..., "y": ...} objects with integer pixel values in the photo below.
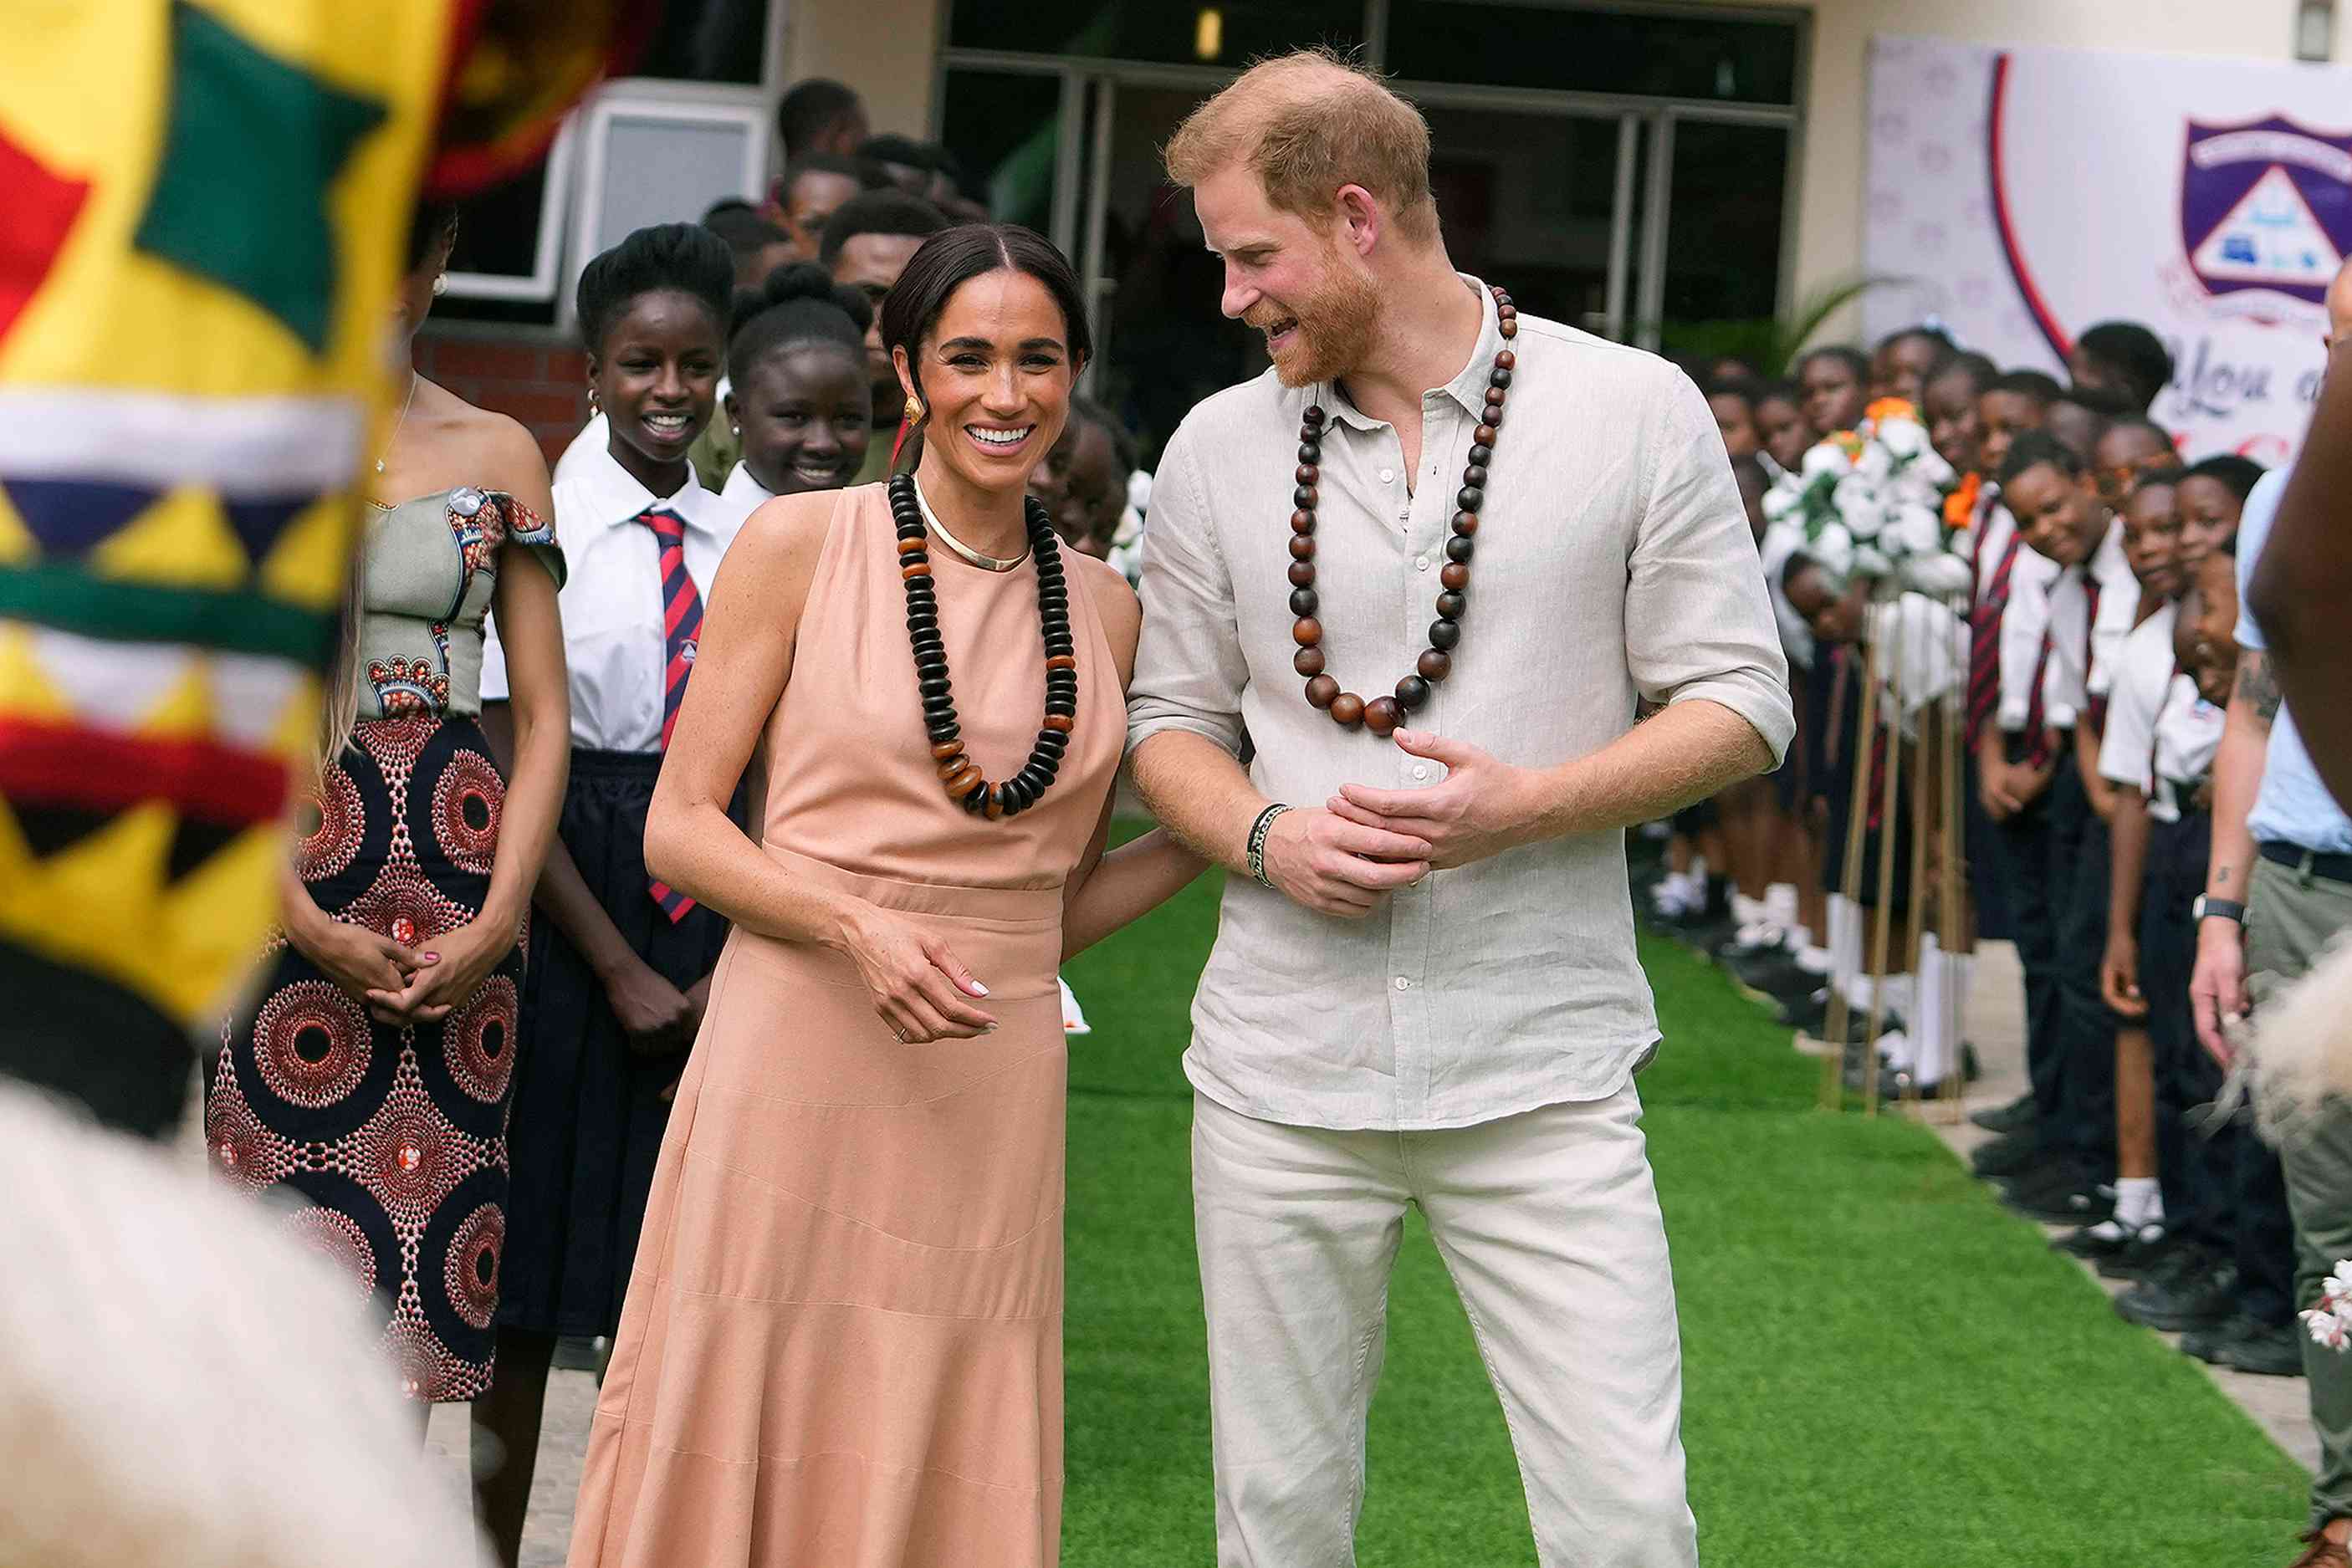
[
  {"x": 919, "y": 986},
  {"x": 656, "y": 1016},
  {"x": 355, "y": 959},
  {"x": 460, "y": 961}
]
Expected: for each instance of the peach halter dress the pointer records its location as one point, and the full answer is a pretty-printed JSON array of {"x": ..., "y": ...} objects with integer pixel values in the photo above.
[{"x": 842, "y": 1346}]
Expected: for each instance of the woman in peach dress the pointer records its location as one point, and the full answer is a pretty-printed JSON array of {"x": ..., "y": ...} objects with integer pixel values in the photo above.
[{"x": 842, "y": 1346}]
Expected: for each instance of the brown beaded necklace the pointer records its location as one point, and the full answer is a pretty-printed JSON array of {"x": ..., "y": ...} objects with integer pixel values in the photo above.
[
  {"x": 1382, "y": 714},
  {"x": 959, "y": 774}
]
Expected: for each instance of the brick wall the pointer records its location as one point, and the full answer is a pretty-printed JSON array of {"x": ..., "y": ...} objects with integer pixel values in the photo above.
[{"x": 530, "y": 374}]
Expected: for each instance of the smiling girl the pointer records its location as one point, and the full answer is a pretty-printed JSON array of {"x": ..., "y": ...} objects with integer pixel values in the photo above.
[{"x": 799, "y": 396}]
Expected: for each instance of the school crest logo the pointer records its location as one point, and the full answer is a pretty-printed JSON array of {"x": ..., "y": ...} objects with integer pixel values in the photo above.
[{"x": 2267, "y": 206}]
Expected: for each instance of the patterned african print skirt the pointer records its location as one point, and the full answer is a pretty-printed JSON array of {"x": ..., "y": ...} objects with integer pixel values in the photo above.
[{"x": 389, "y": 1142}]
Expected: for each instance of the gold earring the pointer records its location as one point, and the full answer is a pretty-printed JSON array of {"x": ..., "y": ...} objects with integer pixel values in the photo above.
[{"x": 914, "y": 409}]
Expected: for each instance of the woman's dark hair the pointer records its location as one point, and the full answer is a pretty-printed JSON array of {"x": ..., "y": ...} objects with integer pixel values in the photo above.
[
  {"x": 1851, "y": 358},
  {"x": 683, "y": 258},
  {"x": 2158, "y": 478},
  {"x": 952, "y": 257},
  {"x": 798, "y": 304},
  {"x": 1782, "y": 391},
  {"x": 432, "y": 227},
  {"x": 2237, "y": 475},
  {"x": 2035, "y": 447}
]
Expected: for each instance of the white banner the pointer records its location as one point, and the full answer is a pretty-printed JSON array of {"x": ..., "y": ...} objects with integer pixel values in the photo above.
[{"x": 2021, "y": 195}]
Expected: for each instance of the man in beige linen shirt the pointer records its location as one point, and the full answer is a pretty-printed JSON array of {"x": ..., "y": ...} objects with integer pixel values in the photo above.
[{"x": 1431, "y": 995}]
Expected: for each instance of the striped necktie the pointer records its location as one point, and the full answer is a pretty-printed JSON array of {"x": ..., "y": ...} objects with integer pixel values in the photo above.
[
  {"x": 1984, "y": 643},
  {"x": 2093, "y": 707},
  {"x": 681, "y": 633}
]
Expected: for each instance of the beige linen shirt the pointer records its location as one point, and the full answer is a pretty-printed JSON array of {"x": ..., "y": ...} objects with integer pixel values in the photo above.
[{"x": 1614, "y": 564}]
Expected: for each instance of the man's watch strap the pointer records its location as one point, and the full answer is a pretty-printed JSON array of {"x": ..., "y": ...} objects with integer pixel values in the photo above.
[{"x": 2226, "y": 908}]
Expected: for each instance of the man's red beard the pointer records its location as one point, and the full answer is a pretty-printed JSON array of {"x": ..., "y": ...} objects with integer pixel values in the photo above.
[{"x": 1333, "y": 326}]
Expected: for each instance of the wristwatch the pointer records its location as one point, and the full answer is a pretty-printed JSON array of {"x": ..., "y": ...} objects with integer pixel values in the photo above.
[{"x": 2223, "y": 908}]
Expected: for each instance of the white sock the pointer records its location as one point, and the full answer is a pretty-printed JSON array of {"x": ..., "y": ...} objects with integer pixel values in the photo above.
[
  {"x": 1900, "y": 994},
  {"x": 1800, "y": 937},
  {"x": 1813, "y": 960},
  {"x": 1845, "y": 947},
  {"x": 1902, "y": 1055},
  {"x": 1929, "y": 1025},
  {"x": 1780, "y": 903},
  {"x": 1960, "y": 972},
  {"x": 2140, "y": 1202},
  {"x": 1749, "y": 911}
]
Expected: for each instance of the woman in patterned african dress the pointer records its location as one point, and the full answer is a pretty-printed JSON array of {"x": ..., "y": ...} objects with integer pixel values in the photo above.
[{"x": 368, "y": 1084}]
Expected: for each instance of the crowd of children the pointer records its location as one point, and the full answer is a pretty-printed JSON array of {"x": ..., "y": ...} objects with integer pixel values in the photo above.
[{"x": 2085, "y": 672}]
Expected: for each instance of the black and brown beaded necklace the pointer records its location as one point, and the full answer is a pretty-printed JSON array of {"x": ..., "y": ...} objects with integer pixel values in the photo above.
[
  {"x": 1382, "y": 714},
  {"x": 959, "y": 774}
]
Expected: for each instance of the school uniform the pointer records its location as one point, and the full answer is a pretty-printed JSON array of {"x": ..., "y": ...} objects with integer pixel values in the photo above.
[
  {"x": 744, "y": 493},
  {"x": 588, "y": 1112},
  {"x": 2059, "y": 845}
]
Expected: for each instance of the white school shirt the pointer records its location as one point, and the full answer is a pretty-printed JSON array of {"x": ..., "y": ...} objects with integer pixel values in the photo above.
[
  {"x": 2082, "y": 656},
  {"x": 744, "y": 492},
  {"x": 614, "y": 640},
  {"x": 2026, "y": 617},
  {"x": 2143, "y": 676}
]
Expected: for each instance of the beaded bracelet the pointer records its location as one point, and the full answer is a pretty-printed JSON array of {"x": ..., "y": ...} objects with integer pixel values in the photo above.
[{"x": 1257, "y": 836}]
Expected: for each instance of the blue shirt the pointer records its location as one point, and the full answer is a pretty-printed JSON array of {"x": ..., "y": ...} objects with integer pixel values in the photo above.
[{"x": 2294, "y": 806}]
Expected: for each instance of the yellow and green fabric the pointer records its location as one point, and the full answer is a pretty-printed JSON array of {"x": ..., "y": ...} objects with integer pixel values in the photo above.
[{"x": 205, "y": 216}]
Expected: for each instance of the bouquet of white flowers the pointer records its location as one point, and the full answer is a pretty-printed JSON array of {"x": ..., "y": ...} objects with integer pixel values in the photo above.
[{"x": 1871, "y": 500}]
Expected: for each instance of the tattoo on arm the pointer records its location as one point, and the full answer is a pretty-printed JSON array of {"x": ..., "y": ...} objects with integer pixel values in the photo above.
[
  {"x": 2258, "y": 687},
  {"x": 2222, "y": 875}
]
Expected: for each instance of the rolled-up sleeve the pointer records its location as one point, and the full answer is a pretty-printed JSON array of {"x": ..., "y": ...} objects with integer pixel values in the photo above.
[
  {"x": 1698, "y": 623},
  {"x": 1189, "y": 668}
]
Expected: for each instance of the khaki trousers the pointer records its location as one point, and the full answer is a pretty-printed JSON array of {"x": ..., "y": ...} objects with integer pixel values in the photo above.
[{"x": 1549, "y": 1223}]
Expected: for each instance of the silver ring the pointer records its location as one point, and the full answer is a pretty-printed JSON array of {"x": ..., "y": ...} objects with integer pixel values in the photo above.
[{"x": 901, "y": 1034}]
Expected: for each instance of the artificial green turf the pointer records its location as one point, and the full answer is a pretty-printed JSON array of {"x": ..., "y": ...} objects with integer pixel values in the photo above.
[{"x": 1882, "y": 1368}]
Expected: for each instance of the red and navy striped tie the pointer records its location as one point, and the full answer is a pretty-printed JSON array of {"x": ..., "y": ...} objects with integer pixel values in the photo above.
[
  {"x": 1984, "y": 642},
  {"x": 681, "y": 634}
]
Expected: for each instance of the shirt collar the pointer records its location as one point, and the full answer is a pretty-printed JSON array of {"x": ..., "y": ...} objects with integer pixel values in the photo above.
[
  {"x": 742, "y": 490},
  {"x": 1467, "y": 387},
  {"x": 606, "y": 494}
]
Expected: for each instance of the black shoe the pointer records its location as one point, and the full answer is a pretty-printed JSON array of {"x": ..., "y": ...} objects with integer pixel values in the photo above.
[
  {"x": 2097, "y": 1243},
  {"x": 2266, "y": 1350},
  {"x": 2070, "y": 1198},
  {"x": 1809, "y": 1013},
  {"x": 2013, "y": 1153},
  {"x": 2146, "y": 1259},
  {"x": 1703, "y": 936},
  {"x": 1776, "y": 980},
  {"x": 2014, "y": 1117},
  {"x": 2199, "y": 1298}
]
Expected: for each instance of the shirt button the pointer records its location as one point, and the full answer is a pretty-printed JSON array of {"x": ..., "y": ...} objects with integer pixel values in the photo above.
[
  {"x": 1421, "y": 563},
  {"x": 1388, "y": 476},
  {"x": 1420, "y": 769},
  {"x": 1402, "y": 984}
]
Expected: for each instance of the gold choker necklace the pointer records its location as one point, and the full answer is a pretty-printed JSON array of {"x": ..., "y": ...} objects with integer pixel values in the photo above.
[{"x": 985, "y": 562}]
